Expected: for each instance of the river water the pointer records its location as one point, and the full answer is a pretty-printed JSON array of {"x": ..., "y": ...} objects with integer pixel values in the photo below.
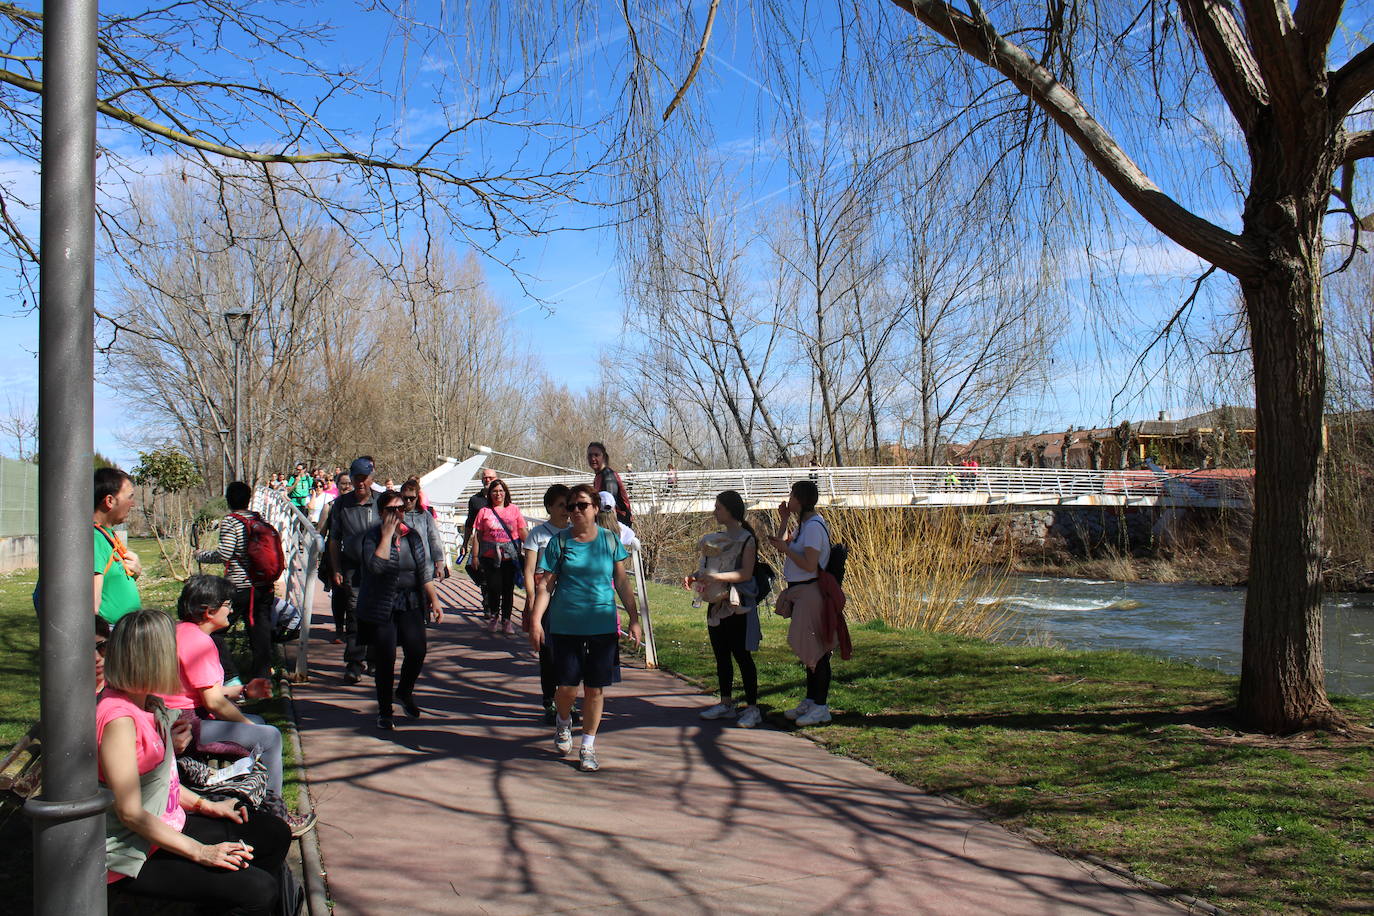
[{"x": 1193, "y": 623}]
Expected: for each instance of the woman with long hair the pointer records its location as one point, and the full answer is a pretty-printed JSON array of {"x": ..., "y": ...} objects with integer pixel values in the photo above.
[
  {"x": 725, "y": 579},
  {"x": 396, "y": 587},
  {"x": 500, "y": 530},
  {"x": 585, "y": 570},
  {"x": 164, "y": 840},
  {"x": 805, "y": 552}
]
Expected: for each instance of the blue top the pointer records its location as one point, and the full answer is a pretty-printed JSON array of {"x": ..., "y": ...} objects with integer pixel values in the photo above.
[{"x": 583, "y": 602}]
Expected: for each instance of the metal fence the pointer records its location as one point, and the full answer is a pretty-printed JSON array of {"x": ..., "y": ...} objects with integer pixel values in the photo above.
[
  {"x": 302, "y": 545},
  {"x": 18, "y": 498}
]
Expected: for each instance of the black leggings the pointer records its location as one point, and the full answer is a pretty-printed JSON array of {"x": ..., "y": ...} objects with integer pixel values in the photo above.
[
  {"x": 498, "y": 587},
  {"x": 818, "y": 681},
  {"x": 548, "y": 678},
  {"x": 406, "y": 628},
  {"x": 250, "y": 891},
  {"x": 727, "y": 640}
]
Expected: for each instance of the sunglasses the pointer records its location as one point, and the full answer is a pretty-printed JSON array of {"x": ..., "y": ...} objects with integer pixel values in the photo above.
[
  {"x": 409, "y": 499},
  {"x": 578, "y": 507},
  {"x": 100, "y": 646},
  {"x": 395, "y": 507}
]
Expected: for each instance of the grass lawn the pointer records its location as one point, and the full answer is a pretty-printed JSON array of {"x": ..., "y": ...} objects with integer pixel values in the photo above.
[
  {"x": 1122, "y": 756},
  {"x": 19, "y": 704}
]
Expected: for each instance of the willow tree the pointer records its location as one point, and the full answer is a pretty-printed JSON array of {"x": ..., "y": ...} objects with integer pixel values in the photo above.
[{"x": 1270, "y": 65}]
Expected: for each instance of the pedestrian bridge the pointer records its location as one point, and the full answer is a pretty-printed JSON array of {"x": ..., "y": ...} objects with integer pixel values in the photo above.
[{"x": 874, "y": 487}]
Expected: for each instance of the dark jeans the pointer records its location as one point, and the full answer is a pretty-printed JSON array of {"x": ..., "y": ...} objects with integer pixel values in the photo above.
[
  {"x": 727, "y": 641},
  {"x": 406, "y": 628},
  {"x": 250, "y": 891},
  {"x": 498, "y": 587},
  {"x": 343, "y": 602},
  {"x": 259, "y": 625},
  {"x": 818, "y": 681}
]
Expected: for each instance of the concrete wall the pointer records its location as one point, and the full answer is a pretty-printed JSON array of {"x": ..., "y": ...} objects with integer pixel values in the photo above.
[{"x": 18, "y": 552}]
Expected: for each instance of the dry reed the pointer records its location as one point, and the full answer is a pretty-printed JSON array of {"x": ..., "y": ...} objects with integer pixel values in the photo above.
[{"x": 922, "y": 569}]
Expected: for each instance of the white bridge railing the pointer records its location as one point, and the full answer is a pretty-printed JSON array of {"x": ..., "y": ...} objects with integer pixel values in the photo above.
[{"x": 302, "y": 545}]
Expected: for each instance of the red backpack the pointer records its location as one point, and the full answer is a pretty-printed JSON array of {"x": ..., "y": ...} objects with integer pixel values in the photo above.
[{"x": 263, "y": 559}]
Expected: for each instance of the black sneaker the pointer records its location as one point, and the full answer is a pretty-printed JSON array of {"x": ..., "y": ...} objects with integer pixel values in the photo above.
[
  {"x": 384, "y": 723},
  {"x": 408, "y": 704},
  {"x": 352, "y": 674}
]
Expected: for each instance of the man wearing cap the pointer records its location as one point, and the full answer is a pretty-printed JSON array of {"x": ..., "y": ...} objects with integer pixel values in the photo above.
[{"x": 350, "y": 516}]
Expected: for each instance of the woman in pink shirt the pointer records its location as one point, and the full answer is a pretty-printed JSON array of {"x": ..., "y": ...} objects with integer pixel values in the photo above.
[
  {"x": 500, "y": 531},
  {"x": 165, "y": 841},
  {"x": 203, "y": 608}
]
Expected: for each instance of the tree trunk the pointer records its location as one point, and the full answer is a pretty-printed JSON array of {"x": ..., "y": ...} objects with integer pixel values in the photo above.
[{"x": 1283, "y": 687}]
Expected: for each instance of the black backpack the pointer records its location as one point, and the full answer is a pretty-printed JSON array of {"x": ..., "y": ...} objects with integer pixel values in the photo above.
[{"x": 839, "y": 555}]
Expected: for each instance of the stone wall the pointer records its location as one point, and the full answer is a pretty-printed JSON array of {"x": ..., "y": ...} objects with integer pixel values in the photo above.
[
  {"x": 1083, "y": 531},
  {"x": 18, "y": 552}
]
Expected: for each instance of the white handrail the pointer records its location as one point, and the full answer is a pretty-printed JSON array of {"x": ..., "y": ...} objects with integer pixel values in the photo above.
[{"x": 302, "y": 545}]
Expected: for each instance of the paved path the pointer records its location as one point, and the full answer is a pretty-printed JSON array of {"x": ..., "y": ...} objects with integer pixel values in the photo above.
[{"x": 469, "y": 810}]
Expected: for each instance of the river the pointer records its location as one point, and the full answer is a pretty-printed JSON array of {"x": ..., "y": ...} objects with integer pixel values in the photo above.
[{"x": 1194, "y": 623}]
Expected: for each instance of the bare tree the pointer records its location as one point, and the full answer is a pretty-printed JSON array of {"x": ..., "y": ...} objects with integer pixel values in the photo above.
[{"x": 19, "y": 423}]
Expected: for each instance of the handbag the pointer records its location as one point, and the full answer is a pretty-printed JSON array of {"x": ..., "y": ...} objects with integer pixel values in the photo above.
[
  {"x": 469, "y": 564},
  {"x": 519, "y": 571}
]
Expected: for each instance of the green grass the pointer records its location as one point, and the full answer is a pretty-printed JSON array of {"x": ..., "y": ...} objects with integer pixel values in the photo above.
[{"x": 1126, "y": 757}]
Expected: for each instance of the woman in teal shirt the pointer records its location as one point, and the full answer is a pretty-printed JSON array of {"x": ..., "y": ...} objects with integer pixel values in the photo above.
[{"x": 581, "y": 571}]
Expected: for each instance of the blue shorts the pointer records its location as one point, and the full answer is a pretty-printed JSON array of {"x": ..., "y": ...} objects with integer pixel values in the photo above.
[{"x": 585, "y": 660}]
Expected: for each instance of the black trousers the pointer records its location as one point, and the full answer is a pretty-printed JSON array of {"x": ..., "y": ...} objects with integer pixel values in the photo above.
[
  {"x": 548, "y": 680},
  {"x": 251, "y": 891},
  {"x": 343, "y": 603},
  {"x": 261, "y": 599},
  {"x": 498, "y": 588},
  {"x": 727, "y": 642},
  {"x": 405, "y": 628},
  {"x": 818, "y": 681}
]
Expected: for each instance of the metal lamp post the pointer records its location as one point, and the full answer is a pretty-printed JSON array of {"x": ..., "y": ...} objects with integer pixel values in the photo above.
[{"x": 236, "y": 321}]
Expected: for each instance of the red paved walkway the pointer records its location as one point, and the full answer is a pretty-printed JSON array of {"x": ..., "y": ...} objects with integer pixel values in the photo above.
[{"x": 470, "y": 811}]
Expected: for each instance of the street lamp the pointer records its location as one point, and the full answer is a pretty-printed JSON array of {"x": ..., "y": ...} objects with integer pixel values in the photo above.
[{"x": 236, "y": 320}]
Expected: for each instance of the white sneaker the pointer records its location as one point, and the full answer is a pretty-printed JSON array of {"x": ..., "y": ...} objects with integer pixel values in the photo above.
[
  {"x": 586, "y": 761},
  {"x": 750, "y": 717},
  {"x": 719, "y": 711},
  {"x": 562, "y": 738},
  {"x": 800, "y": 709},
  {"x": 816, "y": 715}
]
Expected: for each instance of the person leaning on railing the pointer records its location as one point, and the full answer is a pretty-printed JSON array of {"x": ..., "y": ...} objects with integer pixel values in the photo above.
[{"x": 162, "y": 839}]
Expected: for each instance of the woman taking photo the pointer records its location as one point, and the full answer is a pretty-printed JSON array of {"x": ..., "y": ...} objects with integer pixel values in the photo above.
[
  {"x": 805, "y": 553},
  {"x": 732, "y": 615},
  {"x": 585, "y": 567},
  {"x": 163, "y": 840},
  {"x": 396, "y": 591},
  {"x": 500, "y": 530}
]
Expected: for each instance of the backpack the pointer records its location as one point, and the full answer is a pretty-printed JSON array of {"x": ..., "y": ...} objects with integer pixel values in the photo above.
[
  {"x": 263, "y": 559},
  {"x": 761, "y": 586},
  {"x": 839, "y": 555},
  {"x": 623, "y": 514},
  {"x": 286, "y": 621}
]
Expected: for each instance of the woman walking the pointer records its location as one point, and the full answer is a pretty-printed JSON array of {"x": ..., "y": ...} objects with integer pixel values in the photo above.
[
  {"x": 726, "y": 579},
  {"x": 809, "y": 633},
  {"x": 500, "y": 530},
  {"x": 164, "y": 840},
  {"x": 585, "y": 567},
  {"x": 396, "y": 591}
]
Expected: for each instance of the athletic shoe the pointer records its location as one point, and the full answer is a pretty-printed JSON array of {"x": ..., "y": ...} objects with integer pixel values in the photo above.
[
  {"x": 562, "y": 739},
  {"x": 300, "y": 824},
  {"x": 409, "y": 705},
  {"x": 493, "y": 624},
  {"x": 384, "y": 723},
  {"x": 352, "y": 674},
  {"x": 816, "y": 715},
  {"x": 508, "y": 627},
  {"x": 750, "y": 717},
  {"x": 586, "y": 760},
  {"x": 800, "y": 709},
  {"x": 719, "y": 711}
]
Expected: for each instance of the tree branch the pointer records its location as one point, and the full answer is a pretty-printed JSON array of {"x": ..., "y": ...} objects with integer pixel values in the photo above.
[
  {"x": 1352, "y": 82},
  {"x": 1358, "y": 145},
  {"x": 1205, "y": 239},
  {"x": 1229, "y": 60},
  {"x": 696, "y": 61},
  {"x": 1317, "y": 21}
]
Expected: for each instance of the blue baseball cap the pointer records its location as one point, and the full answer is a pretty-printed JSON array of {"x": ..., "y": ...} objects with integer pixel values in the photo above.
[{"x": 361, "y": 467}]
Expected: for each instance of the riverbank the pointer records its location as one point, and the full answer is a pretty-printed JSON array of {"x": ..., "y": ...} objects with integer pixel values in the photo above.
[{"x": 1128, "y": 758}]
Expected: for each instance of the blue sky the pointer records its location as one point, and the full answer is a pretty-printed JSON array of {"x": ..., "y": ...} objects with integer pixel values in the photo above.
[{"x": 575, "y": 273}]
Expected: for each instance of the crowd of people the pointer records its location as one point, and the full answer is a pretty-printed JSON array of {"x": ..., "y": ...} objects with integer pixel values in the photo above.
[{"x": 171, "y": 691}]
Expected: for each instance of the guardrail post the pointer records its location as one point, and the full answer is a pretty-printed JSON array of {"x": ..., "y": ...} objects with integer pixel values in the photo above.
[{"x": 646, "y": 622}]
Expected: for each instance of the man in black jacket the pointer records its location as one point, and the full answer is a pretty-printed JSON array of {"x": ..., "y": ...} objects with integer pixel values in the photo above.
[{"x": 350, "y": 516}]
